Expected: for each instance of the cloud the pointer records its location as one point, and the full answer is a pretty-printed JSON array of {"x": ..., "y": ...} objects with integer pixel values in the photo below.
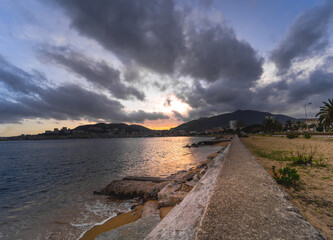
[
  {"x": 215, "y": 52},
  {"x": 156, "y": 37},
  {"x": 71, "y": 102},
  {"x": 179, "y": 116},
  {"x": 17, "y": 80},
  {"x": 167, "y": 102},
  {"x": 307, "y": 35},
  {"x": 96, "y": 72},
  {"x": 147, "y": 32},
  {"x": 60, "y": 103}
]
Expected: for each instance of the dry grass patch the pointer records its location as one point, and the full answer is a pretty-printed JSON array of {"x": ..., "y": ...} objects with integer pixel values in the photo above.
[{"x": 314, "y": 198}]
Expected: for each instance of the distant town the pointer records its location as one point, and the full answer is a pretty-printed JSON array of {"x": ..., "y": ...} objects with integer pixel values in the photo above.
[
  {"x": 94, "y": 131},
  {"x": 238, "y": 121}
]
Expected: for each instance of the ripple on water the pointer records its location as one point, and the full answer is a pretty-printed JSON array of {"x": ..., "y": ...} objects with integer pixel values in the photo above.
[{"x": 46, "y": 186}]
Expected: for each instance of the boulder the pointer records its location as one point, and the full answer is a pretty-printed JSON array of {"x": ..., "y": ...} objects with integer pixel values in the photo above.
[
  {"x": 130, "y": 189},
  {"x": 171, "y": 194}
]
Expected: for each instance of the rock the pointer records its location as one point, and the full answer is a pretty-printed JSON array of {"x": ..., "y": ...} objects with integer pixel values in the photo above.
[
  {"x": 171, "y": 195},
  {"x": 202, "y": 165},
  {"x": 202, "y": 172},
  {"x": 153, "y": 194},
  {"x": 196, "y": 178},
  {"x": 189, "y": 176},
  {"x": 130, "y": 189},
  {"x": 191, "y": 183},
  {"x": 150, "y": 209},
  {"x": 180, "y": 178},
  {"x": 134, "y": 206}
]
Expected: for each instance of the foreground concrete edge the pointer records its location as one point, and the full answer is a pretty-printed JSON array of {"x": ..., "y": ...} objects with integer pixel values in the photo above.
[
  {"x": 183, "y": 220},
  {"x": 248, "y": 204}
]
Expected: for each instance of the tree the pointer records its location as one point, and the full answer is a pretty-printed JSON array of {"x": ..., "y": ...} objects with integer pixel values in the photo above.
[
  {"x": 326, "y": 113},
  {"x": 289, "y": 124},
  {"x": 271, "y": 125}
]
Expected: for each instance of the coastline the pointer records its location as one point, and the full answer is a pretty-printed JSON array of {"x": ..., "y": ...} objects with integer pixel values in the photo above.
[{"x": 129, "y": 217}]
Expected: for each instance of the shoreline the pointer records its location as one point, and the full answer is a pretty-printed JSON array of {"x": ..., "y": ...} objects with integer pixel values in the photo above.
[{"x": 129, "y": 217}]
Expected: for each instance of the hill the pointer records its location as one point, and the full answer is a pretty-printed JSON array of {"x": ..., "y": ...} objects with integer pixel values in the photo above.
[
  {"x": 247, "y": 117},
  {"x": 104, "y": 127}
]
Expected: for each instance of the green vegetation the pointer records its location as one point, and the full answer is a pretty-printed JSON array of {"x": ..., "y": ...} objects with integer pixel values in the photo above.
[
  {"x": 271, "y": 125},
  {"x": 273, "y": 155},
  {"x": 306, "y": 135},
  {"x": 305, "y": 156},
  {"x": 292, "y": 135},
  {"x": 326, "y": 114},
  {"x": 242, "y": 135},
  {"x": 285, "y": 176}
]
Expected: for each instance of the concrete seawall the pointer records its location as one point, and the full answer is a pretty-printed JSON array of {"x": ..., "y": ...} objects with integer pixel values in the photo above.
[
  {"x": 183, "y": 220},
  {"x": 236, "y": 199}
]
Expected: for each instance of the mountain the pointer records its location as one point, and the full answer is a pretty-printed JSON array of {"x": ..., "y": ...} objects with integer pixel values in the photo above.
[
  {"x": 247, "y": 117},
  {"x": 104, "y": 127}
]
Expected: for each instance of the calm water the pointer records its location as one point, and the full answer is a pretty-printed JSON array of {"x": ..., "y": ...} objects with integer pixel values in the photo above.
[{"x": 46, "y": 186}]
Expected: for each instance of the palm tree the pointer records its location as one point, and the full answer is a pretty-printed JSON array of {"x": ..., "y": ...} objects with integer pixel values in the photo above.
[{"x": 326, "y": 113}]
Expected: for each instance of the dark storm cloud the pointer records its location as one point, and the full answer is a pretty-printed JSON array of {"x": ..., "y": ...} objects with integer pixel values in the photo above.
[
  {"x": 215, "y": 52},
  {"x": 70, "y": 102},
  {"x": 153, "y": 34},
  {"x": 178, "y": 115},
  {"x": 149, "y": 32},
  {"x": 18, "y": 80},
  {"x": 61, "y": 103},
  {"x": 307, "y": 35},
  {"x": 216, "y": 98},
  {"x": 319, "y": 83},
  {"x": 96, "y": 72}
]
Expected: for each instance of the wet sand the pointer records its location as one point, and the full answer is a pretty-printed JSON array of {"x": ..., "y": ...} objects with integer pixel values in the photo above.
[
  {"x": 113, "y": 223},
  {"x": 120, "y": 220}
]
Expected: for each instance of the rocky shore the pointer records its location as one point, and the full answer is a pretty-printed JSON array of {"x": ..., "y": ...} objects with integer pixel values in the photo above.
[
  {"x": 168, "y": 191},
  {"x": 156, "y": 197}
]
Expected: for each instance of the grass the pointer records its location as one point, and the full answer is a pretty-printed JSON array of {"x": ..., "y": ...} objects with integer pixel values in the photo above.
[
  {"x": 275, "y": 155},
  {"x": 314, "y": 198}
]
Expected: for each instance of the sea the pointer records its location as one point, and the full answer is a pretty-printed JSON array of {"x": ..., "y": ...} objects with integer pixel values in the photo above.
[{"x": 46, "y": 187}]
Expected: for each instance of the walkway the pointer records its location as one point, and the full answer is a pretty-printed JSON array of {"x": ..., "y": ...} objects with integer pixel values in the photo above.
[{"x": 247, "y": 204}]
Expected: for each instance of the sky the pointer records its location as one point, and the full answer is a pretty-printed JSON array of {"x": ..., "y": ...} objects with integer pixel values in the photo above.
[{"x": 160, "y": 63}]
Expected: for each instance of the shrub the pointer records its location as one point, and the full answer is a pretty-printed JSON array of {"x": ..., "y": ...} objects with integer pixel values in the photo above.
[
  {"x": 285, "y": 176},
  {"x": 292, "y": 135},
  {"x": 306, "y": 135},
  {"x": 302, "y": 157},
  {"x": 242, "y": 135},
  {"x": 320, "y": 162}
]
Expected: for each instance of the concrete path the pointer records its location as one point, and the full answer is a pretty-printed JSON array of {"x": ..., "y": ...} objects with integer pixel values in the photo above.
[{"x": 248, "y": 204}]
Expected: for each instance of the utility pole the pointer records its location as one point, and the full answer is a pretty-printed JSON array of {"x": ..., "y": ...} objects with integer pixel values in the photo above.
[{"x": 306, "y": 117}]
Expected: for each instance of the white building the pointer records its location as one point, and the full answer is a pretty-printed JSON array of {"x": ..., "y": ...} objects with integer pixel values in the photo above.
[{"x": 233, "y": 124}]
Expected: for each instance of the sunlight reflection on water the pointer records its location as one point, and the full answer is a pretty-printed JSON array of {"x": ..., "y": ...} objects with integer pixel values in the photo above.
[{"x": 46, "y": 186}]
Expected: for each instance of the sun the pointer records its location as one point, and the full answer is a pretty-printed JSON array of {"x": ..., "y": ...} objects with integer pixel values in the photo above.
[{"x": 174, "y": 104}]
